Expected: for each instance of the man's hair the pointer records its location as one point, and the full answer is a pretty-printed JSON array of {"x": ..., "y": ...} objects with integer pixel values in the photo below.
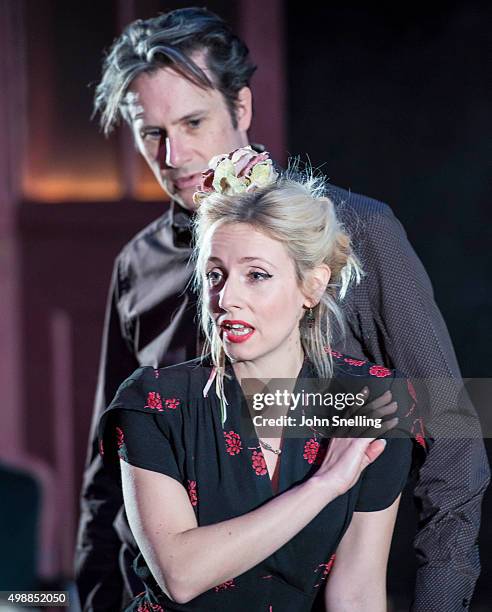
[{"x": 170, "y": 40}]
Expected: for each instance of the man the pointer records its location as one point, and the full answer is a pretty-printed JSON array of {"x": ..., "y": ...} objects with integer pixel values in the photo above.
[{"x": 181, "y": 81}]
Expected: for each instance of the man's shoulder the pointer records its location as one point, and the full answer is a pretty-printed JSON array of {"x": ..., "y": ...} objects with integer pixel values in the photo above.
[
  {"x": 155, "y": 232},
  {"x": 349, "y": 204},
  {"x": 150, "y": 253}
]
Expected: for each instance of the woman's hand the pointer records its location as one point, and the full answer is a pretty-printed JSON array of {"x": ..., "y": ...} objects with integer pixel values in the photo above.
[{"x": 347, "y": 457}]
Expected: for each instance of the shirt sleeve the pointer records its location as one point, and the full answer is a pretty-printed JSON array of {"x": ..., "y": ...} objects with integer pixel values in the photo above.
[
  {"x": 453, "y": 479},
  {"x": 97, "y": 571}
]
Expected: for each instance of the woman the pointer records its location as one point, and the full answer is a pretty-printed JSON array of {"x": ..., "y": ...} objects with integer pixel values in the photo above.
[{"x": 225, "y": 517}]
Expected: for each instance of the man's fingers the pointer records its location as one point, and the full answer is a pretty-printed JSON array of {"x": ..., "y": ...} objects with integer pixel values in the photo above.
[
  {"x": 386, "y": 410},
  {"x": 369, "y": 408},
  {"x": 381, "y": 400}
]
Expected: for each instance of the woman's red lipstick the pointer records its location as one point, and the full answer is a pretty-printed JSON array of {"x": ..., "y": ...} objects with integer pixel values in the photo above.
[{"x": 236, "y": 331}]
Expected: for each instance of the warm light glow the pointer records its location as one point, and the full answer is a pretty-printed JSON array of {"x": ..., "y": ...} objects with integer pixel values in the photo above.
[
  {"x": 150, "y": 190},
  {"x": 65, "y": 188},
  {"x": 53, "y": 188}
]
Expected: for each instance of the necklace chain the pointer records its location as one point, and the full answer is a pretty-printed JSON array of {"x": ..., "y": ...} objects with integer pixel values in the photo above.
[{"x": 267, "y": 446}]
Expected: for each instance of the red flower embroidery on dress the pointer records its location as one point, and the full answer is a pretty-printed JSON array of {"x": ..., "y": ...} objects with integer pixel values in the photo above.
[
  {"x": 192, "y": 492},
  {"x": 419, "y": 438},
  {"x": 120, "y": 441},
  {"x": 413, "y": 395},
  {"x": 326, "y": 569},
  {"x": 379, "y": 371},
  {"x": 419, "y": 435},
  {"x": 120, "y": 437},
  {"x": 172, "y": 403},
  {"x": 311, "y": 449},
  {"x": 233, "y": 442},
  {"x": 333, "y": 353},
  {"x": 411, "y": 390},
  {"x": 354, "y": 362},
  {"x": 154, "y": 401},
  {"x": 259, "y": 463},
  {"x": 150, "y": 607},
  {"x": 228, "y": 584}
]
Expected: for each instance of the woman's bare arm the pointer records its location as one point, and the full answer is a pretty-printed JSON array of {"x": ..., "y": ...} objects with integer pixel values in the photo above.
[
  {"x": 357, "y": 581},
  {"x": 187, "y": 560}
]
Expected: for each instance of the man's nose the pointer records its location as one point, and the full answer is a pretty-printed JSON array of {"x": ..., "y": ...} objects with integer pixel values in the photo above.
[{"x": 172, "y": 152}]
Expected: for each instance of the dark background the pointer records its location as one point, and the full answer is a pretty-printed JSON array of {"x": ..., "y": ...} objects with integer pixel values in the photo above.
[
  {"x": 391, "y": 101},
  {"x": 394, "y": 101}
]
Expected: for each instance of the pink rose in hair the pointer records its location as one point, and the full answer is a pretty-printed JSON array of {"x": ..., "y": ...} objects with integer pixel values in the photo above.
[{"x": 233, "y": 173}]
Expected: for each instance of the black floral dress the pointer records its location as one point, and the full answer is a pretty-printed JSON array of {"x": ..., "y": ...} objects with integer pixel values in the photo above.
[{"x": 161, "y": 421}]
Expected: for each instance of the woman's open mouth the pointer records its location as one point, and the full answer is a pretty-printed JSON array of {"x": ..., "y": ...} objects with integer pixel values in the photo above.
[{"x": 236, "y": 331}]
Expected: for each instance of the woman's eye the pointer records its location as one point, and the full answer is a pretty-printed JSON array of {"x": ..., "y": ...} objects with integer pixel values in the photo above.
[
  {"x": 256, "y": 276},
  {"x": 213, "y": 277}
]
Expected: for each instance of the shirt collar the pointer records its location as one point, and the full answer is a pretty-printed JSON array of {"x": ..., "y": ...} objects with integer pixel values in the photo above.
[{"x": 181, "y": 218}]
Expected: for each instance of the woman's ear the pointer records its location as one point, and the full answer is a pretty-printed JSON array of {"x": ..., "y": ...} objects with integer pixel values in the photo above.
[{"x": 316, "y": 285}]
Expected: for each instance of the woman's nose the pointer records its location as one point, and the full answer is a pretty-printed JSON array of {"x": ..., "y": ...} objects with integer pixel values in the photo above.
[{"x": 230, "y": 294}]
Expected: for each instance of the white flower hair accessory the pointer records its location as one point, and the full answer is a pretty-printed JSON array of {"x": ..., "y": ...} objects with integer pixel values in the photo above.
[{"x": 232, "y": 173}]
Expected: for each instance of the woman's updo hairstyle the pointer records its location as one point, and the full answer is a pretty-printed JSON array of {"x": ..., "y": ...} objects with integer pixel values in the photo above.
[{"x": 293, "y": 209}]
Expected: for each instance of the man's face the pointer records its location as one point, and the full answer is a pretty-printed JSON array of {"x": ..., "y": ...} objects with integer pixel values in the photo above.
[{"x": 179, "y": 127}]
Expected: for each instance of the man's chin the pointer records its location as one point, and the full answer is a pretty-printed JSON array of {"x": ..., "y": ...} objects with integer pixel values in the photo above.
[{"x": 184, "y": 197}]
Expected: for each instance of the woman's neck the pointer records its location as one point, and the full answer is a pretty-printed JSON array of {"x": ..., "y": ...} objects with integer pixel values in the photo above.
[{"x": 287, "y": 365}]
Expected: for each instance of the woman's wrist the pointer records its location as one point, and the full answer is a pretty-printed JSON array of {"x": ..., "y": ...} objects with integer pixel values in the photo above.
[{"x": 321, "y": 488}]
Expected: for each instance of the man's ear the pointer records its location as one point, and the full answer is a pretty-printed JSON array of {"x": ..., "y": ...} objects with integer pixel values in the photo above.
[
  {"x": 244, "y": 109},
  {"x": 316, "y": 285}
]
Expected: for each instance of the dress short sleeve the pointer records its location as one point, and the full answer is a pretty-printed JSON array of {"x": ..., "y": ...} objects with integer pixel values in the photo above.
[
  {"x": 141, "y": 442},
  {"x": 136, "y": 429},
  {"x": 384, "y": 479}
]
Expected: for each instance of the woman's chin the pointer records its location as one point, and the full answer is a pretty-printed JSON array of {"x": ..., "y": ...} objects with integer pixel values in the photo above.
[{"x": 238, "y": 352}]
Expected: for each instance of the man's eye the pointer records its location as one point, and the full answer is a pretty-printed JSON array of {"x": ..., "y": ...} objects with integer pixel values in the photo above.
[
  {"x": 213, "y": 277},
  {"x": 256, "y": 276},
  {"x": 194, "y": 123},
  {"x": 150, "y": 134}
]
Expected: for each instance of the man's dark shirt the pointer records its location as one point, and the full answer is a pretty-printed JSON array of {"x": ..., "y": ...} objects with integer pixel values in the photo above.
[{"x": 392, "y": 319}]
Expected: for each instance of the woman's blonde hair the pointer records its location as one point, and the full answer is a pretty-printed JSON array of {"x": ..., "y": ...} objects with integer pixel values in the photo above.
[{"x": 295, "y": 211}]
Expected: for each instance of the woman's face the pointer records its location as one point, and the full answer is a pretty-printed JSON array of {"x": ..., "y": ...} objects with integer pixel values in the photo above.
[{"x": 253, "y": 295}]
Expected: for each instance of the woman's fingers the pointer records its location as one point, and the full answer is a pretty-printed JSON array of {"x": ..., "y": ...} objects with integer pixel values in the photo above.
[
  {"x": 347, "y": 458},
  {"x": 375, "y": 449}
]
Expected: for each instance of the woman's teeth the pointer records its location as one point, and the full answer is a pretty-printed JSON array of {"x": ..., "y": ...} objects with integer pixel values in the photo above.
[{"x": 238, "y": 329}]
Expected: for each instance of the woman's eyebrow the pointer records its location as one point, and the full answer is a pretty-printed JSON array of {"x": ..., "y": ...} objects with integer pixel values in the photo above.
[{"x": 244, "y": 260}]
